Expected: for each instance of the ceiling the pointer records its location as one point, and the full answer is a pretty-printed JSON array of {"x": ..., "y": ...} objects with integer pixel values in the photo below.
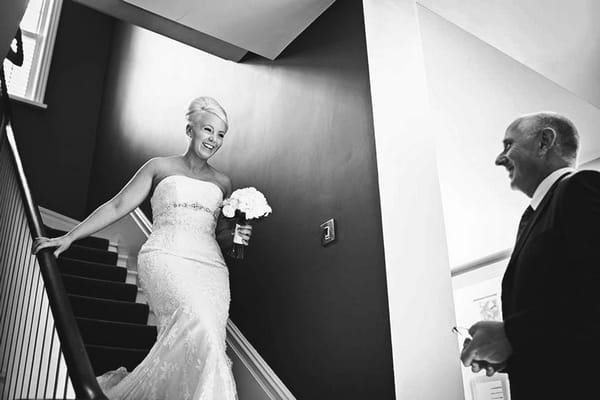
[
  {"x": 226, "y": 28},
  {"x": 264, "y": 27}
]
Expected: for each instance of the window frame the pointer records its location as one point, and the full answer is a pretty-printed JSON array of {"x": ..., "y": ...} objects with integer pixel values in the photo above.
[{"x": 38, "y": 78}]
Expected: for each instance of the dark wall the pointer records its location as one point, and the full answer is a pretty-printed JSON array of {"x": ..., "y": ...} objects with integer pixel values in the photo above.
[
  {"x": 300, "y": 131},
  {"x": 57, "y": 143}
]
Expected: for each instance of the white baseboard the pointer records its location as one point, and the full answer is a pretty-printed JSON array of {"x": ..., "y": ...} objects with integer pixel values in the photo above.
[
  {"x": 56, "y": 220},
  {"x": 64, "y": 223},
  {"x": 260, "y": 370},
  {"x": 124, "y": 235},
  {"x": 142, "y": 221}
]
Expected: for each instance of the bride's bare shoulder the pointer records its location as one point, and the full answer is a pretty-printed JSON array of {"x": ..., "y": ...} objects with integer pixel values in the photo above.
[
  {"x": 162, "y": 165},
  {"x": 223, "y": 180}
]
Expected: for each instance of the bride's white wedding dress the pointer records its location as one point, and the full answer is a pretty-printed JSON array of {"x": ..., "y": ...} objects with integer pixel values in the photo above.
[{"x": 182, "y": 271}]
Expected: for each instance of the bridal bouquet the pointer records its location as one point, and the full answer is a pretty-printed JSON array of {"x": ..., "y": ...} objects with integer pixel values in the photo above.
[{"x": 244, "y": 205}]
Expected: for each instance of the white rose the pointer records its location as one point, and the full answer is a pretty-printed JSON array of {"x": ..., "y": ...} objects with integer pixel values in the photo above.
[
  {"x": 228, "y": 211},
  {"x": 251, "y": 202}
]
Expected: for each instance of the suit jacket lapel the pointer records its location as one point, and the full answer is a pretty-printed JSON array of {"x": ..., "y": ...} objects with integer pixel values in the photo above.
[{"x": 538, "y": 212}]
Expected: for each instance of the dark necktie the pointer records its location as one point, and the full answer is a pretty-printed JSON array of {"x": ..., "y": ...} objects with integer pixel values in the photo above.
[{"x": 525, "y": 220}]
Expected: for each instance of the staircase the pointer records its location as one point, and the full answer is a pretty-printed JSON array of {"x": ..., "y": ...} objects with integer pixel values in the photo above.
[
  {"x": 113, "y": 325},
  {"x": 117, "y": 327}
]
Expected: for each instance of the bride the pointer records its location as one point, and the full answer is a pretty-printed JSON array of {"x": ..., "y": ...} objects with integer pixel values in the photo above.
[{"x": 180, "y": 267}]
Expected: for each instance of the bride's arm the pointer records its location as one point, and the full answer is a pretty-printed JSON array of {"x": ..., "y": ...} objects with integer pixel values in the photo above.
[
  {"x": 131, "y": 196},
  {"x": 224, "y": 232},
  {"x": 225, "y": 228}
]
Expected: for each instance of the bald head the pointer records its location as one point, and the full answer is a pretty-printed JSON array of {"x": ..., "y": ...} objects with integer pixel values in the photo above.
[
  {"x": 534, "y": 146},
  {"x": 567, "y": 137}
]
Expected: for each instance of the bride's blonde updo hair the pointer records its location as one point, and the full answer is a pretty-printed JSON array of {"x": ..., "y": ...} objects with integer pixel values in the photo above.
[{"x": 205, "y": 104}]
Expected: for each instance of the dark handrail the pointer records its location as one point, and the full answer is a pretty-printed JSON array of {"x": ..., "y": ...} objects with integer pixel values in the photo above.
[{"x": 80, "y": 369}]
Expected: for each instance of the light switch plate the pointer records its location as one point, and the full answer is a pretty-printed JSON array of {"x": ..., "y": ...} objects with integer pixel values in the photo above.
[{"x": 327, "y": 232}]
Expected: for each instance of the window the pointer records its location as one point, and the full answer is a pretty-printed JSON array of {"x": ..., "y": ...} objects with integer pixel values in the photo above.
[{"x": 28, "y": 82}]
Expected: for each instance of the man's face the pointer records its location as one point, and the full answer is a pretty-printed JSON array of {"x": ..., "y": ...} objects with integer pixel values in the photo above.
[{"x": 519, "y": 157}]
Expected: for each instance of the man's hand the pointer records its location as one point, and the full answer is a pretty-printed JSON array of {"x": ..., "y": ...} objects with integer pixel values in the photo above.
[
  {"x": 490, "y": 369},
  {"x": 489, "y": 349}
]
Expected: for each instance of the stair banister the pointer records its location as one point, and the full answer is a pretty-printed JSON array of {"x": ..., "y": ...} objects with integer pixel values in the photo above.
[{"x": 80, "y": 370}]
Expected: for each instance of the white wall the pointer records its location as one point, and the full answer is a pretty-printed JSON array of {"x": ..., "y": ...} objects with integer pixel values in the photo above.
[
  {"x": 558, "y": 38},
  {"x": 475, "y": 92},
  {"x": 425, "y": 355},
  {"x": 593, "y": 164}
]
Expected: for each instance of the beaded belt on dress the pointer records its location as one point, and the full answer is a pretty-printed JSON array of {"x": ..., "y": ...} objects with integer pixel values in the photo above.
[{"x": 193, "y": 206}]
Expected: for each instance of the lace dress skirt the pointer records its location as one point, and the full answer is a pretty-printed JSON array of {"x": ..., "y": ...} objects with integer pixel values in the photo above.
[{"x": 188, "y": 361}]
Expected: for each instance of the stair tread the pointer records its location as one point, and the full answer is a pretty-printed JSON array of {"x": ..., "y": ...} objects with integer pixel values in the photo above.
[
  {"x": 91, "y": 269},
  {"x": 93, "y": 263},
  {"x": 123, "y": 324},
  {"x": 115, "y": 333},
  {"x": 124, "y": 349},
  {"x": 91, "y": 287},
  {"x": 108, "y": 301},
  {"x": 107, "y": 358},
  {"x": 90, "y": 241},
  {"x": 109, "y": 309},
  {"x": 92, "y": 254},
  {"x": 100, "y": 280}
]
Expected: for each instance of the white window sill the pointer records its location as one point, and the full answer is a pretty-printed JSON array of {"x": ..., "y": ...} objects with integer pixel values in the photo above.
[{"x": 27, "y": 101}]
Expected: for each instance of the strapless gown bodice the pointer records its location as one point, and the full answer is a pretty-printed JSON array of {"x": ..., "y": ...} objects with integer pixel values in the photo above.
[{"x": 185, "y": 212}]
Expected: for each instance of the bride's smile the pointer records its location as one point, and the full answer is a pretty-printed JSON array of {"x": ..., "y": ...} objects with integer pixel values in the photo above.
[{"x": 206, "y": 132}]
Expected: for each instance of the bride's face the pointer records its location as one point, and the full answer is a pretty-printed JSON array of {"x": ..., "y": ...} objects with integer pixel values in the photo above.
[{"x": 206, "y": 134}]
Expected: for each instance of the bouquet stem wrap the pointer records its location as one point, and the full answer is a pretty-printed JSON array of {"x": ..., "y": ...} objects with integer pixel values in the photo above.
[{"x": 238, "y": 249}]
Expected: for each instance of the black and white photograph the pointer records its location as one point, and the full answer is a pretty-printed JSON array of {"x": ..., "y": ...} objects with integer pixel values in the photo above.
[{"x": 299, "y": 199}]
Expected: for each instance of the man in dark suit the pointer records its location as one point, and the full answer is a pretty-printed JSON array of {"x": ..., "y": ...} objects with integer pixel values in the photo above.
[{"x": 549, "y": 339}]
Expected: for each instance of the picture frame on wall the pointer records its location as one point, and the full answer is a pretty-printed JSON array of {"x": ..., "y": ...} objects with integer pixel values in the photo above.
[
  {"x": 490, "y": 388},
  {"x": 478, "y": 298}
]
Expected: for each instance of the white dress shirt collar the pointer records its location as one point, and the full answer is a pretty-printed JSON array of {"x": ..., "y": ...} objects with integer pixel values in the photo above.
[{"x": 546, "y": 184}]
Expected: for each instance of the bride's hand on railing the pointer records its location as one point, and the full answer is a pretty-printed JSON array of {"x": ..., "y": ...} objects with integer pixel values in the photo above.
[{"x": 61, "y": 243}]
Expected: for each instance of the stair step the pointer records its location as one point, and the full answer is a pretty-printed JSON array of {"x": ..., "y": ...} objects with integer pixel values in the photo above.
[
  {"x": 109, "y": 310},
  {"x": 93, "y": 270},
  {"x": 91, "y": 241},
  {"x": 109, "y": 358},
  {"x": 78, "y": 285},
  {"x": 91, "y": 254},
  {"x": 117, "y": 334},
  {"x": 103, "y": 296}
]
